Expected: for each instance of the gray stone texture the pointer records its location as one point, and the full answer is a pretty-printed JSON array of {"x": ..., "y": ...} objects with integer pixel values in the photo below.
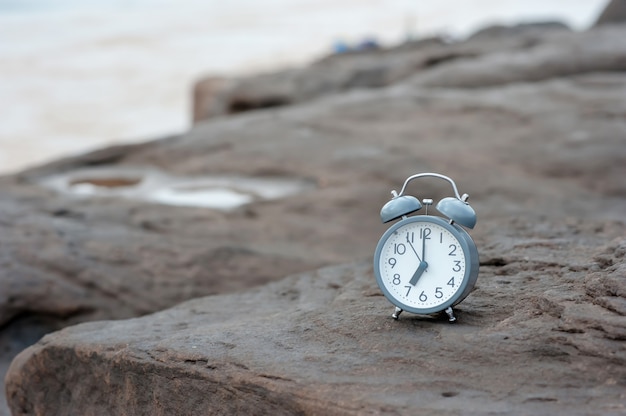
[
  {"x": 542, "y": 156},
  {"x": 613, "y": 13}
]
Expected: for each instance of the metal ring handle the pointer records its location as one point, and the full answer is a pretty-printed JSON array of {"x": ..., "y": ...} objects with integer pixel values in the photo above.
[{"x": 434, "y": 175}]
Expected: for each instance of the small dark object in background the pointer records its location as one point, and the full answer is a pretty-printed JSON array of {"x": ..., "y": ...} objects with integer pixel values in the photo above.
[{"x": 366, "y": 44}]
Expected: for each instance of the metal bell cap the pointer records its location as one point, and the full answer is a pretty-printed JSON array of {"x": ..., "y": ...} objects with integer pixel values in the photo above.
[
  {"x": 399, "y": 206},
  {"x": 457, "y": 210}
]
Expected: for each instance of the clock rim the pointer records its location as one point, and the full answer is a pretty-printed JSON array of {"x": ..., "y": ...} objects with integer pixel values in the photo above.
[{"x": 471, "y": 264}]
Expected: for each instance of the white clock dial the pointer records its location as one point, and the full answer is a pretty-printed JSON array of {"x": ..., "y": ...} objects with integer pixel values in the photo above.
[{"x": 422, "y": 264}]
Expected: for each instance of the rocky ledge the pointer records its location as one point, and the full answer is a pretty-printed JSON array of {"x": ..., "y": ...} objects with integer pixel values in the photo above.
[
  {"x": 494, "y": 56},
  {"x": 543, "y": 159},
  {"x": 543, "y": 333}
]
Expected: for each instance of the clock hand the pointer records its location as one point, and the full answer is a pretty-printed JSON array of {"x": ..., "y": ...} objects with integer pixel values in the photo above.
[
  {"x": 418, "y": 273},
  {"x": 413, "y": 248},
  {"x": 422, "y": 266},
  {"x": 424, "y": 249}
]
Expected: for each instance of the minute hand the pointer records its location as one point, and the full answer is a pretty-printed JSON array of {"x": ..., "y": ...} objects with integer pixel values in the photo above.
[
  {"x": 424, "y": 249},
  {"x": 422, "y": 266}
]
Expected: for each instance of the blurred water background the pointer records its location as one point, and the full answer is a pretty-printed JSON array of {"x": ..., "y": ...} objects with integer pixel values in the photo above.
[{"x": 76, "y": 75}]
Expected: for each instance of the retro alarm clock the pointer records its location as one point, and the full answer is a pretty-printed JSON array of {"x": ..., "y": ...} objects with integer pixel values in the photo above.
[{"x": 426, "y": 264}]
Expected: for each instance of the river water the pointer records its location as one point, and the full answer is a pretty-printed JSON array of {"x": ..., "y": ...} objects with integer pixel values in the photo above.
[{"x": 80, "y": 74}]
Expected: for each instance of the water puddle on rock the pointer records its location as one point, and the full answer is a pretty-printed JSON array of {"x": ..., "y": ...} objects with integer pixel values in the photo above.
[{"x": 150, "y": 185}]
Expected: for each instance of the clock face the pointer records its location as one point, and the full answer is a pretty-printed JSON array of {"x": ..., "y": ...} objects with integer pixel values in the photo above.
[{"x": 422, "y": 264}]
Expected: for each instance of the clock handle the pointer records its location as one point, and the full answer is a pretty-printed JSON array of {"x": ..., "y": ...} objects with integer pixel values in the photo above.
[
  {"x": 434, "y": 175},
  {"x": 457, "y": 209}
]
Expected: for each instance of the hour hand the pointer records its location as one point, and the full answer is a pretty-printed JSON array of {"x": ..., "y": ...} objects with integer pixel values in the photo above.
[{"x": 418, "y": 273}]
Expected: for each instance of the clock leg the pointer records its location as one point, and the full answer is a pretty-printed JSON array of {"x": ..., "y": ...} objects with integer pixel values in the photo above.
[
  {"x": 396, "y": 313},
  {"x": 450, "y": 313}
]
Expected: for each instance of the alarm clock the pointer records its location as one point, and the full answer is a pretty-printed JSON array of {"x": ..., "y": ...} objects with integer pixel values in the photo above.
[{"x": 426, "y": 264}]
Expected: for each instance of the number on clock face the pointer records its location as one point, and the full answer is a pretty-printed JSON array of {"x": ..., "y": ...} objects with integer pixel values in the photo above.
[{"x": 422, "y": 264}]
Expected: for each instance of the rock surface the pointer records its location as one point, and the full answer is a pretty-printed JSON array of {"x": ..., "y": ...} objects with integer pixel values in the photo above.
[
  {"x": 542, "y": 334},
  {"x": 521, "y": 29},
  {"x": 367, "y": 69},
  {"x": 614, "y": 12},
  {"x": 543, "y": 162},
  {"x": 562, "y": 54},
  {"x": 493, "y": 56}
]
